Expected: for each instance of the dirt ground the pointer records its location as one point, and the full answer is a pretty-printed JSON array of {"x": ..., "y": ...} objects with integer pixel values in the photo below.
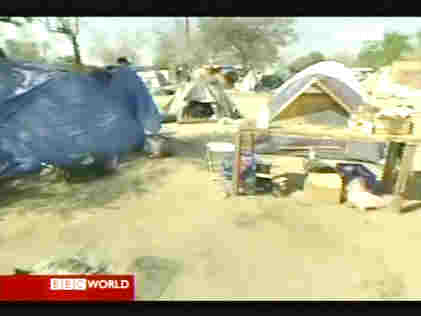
[{"x": 239, "y": 248}]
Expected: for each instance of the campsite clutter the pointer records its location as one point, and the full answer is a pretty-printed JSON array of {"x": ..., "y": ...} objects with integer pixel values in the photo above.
[
  {"x": 203, "y": 99},
  {"x": 329, "y": 97},
  {"x": 91, "y": 118}
]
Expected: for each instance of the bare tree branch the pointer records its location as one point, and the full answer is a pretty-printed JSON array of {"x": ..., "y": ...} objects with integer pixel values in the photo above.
[
  {"x": 8, "y": 19},
  {"x": 64, "y": 26}
]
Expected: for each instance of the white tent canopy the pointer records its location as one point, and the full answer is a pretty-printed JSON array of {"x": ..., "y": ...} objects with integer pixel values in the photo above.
[
  {"x": 331, "y": 69},
  {"x": 204, "y": 92},
  {"x": 332, "y": 78}
]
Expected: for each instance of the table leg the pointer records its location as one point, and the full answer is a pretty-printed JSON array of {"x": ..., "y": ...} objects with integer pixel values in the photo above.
[
  {"x": 405, "y": 169},
  {"x": 236, "y": 164},
  {"x": 391, "y": 161},
  {"x": 209, "y": 159}
]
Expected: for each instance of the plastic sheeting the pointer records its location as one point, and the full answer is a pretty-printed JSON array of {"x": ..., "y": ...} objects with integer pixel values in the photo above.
[
  {"x": 350, "y": 150},
  {"x": 62, "y": 118}
]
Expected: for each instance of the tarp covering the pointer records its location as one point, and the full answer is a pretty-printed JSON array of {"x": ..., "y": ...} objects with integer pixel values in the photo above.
[{"x": 60, "y": 118}]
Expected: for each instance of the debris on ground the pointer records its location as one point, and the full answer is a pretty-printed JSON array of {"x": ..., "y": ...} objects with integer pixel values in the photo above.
[
  {"x": 77, "y": 264},
  {"x": 359, "y": 196},
  {"x": 157, "y": 274},
  {"x": 323, "y": 187}
]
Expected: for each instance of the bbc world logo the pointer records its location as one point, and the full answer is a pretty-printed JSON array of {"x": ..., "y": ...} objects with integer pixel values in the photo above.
[{"x": 84, "y": 284}]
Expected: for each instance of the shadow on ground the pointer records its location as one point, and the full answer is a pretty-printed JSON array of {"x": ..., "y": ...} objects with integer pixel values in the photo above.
[
  {"x": 192, "y": 149},
  {"x": 86, "y": 190}
]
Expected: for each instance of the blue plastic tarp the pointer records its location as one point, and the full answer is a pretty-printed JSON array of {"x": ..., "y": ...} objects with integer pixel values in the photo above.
[{"x": 60, "y": 118}]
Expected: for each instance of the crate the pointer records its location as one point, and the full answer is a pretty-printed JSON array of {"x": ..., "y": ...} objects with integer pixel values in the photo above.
[{"x": 324, "y": 187}]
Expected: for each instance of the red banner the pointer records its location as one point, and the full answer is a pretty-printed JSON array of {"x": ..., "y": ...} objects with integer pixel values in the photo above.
[{"x": 67, "y": 287}]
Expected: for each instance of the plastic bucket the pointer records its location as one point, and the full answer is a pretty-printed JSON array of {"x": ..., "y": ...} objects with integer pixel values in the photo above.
[{"x": 218, "y": 152}]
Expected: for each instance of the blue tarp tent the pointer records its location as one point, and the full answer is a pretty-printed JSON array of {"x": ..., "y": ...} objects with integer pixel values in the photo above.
[{"x": 57, "y": 117}]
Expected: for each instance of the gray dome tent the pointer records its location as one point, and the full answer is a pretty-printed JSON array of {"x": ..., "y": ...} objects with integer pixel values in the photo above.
[{"x": 325, "y": 94}]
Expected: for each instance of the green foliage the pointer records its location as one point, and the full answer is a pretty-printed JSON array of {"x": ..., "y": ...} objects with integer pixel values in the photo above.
[
  {"x": 253, "y": 42},
  {"x": 394, "y": 44},
  {"x": 344, "y": 57},
  {"x": 418, "y": 37},
  {"x": 23, "y": 49},
  {"x": 129, "y": 43},
  {"x": 65, "y": 59},
  {"x": 174, "y": 49},
  {"x": 381, "y": 53},
  {"x": 303, "y": 62},
  {"x": 14, "y": 21}
]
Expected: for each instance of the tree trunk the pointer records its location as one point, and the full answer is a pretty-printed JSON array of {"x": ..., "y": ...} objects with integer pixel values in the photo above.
[
  {"x": 2, "y": 54},
  {"x": 76, "y": 50}
]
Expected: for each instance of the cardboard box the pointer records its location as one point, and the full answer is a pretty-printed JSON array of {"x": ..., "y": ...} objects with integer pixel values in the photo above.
[{"x": 323, "y": 187}]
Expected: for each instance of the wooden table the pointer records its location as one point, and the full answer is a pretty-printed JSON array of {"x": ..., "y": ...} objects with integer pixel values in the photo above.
[{"x": 397, "y": 189}]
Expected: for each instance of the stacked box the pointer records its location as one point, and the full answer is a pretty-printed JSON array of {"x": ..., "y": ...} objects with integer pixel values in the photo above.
[{"x": 324, "y": 187}]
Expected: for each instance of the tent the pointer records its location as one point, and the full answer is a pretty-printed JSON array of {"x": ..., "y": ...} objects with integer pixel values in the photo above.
[
  {"x": 324, "y": 94},
  {"x": 201, "y": 94},
  {"x": 248, "y": 83},
  {"x": 66, "y": 118}
]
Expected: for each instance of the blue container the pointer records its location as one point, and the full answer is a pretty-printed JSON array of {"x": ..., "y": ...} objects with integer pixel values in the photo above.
[
  {"x": 247, "y": 183},
  {"x": 351, "y": 171}
]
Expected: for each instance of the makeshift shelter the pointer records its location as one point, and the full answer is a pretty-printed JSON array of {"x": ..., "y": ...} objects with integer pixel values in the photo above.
[
  {"x": 324, "y": 94},
  {"x": 201, "y": 100},
  {"x": 62, "y": 118},
  {"x": 248, "y": 83}
]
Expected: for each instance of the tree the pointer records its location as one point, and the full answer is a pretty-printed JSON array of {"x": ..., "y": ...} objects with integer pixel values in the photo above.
[
  {"x": 418, "y": 38},
  {"x": 394, "y": 45},
  {"x": 17, "y": 23},
  {"x": 23, "y": 49},
  {"x": 12, "y": 20},
  {"x": 303, "y": 62},
  {"x": 371, "y": 55},
  {"x": 254, "y": 42},
  {"x": 70, "y": 28},
  {"x": 380, "y": 53},
  {"x": 344, "y": 57},
  {"x": 128, "y": 44},
  {"x": 173, "y": 49}
]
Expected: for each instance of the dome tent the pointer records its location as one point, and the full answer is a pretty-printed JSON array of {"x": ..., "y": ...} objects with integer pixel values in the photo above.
[{"x": 324, "y": 94}]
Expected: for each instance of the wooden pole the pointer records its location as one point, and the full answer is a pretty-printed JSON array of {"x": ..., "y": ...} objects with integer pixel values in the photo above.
[
  {"x": 236, "y": 164},
  {"x": 405, "y": 169},
  {"x": 391, "y": 161}
]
